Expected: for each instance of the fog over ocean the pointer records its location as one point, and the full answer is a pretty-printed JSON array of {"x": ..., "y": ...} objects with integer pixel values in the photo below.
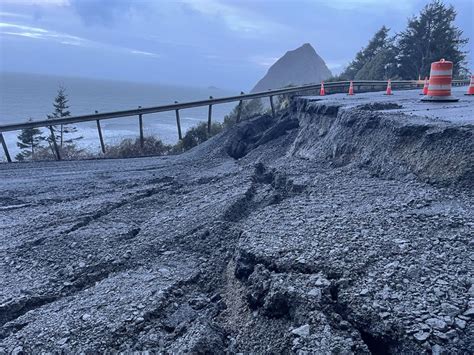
[{"x": 24, "y": 96}]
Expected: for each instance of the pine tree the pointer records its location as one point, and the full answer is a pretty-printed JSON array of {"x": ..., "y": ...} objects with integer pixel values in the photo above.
[
  {"x": 29, "y": 140},
  {"x": 379, "y": 42},
  {"x": 428, "y": 38},
  {"x": 381, "y": 67},
  {"x": 61, "y": 110}
]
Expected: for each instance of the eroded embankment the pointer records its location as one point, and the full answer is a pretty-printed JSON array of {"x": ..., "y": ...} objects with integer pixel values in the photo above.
[
  {"x": 390, "y": 145},
  {"x": 269, "y": 238}
]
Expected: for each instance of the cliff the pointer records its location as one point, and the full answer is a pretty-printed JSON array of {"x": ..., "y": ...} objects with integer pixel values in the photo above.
[{"x": 297, "y": 67}]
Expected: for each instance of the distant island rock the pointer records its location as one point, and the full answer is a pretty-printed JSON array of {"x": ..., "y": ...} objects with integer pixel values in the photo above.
[{"x": 297, "y": 67}]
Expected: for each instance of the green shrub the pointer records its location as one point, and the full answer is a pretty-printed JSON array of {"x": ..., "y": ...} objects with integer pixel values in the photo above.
[
  {"x": 68, "y": 152},
  {"x": 129, "y": 148},
  {"x": 197, "y": 135}
]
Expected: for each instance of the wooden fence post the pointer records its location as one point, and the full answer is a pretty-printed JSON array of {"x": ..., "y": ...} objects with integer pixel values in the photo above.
[
  {"x": 5, "y": 148},
  {"x": 55, "y": 145},
  {"x": 102, "y": 145},
  {"x": 209, "y": 118},
  {"x": 140, "y": 123},
  {"x": 239, "y": 109},
  {"x": 272, "y": 106},
  {"x": 178, "y": 123}
]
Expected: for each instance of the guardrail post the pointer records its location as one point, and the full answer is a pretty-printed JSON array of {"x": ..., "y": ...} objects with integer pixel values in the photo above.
[
  {"x": 5, "y": 148},
  {"x": 55, "y": 145},
  {"x": 239, "y": 109},
  {"x": 140, "y": 123},
  {"x": 102, "y": 145},
  {"x": 272, "y": 106},
  {"x": 209, "y": 118},
  {"x": 178, "y": 123}
]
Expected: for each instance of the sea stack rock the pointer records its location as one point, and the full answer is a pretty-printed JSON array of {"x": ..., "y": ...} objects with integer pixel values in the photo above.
[{"x": 297, "y": 67}]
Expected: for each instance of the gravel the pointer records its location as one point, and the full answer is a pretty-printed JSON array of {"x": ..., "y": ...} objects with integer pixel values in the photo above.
[{"x": 308, "y": 233}]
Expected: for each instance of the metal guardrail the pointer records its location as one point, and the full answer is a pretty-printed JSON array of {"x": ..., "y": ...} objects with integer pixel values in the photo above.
[{"x": 372, "y": 84}]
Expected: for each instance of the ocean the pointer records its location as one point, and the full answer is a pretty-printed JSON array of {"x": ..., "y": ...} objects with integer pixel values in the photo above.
[{"x": 24, "y": 96}]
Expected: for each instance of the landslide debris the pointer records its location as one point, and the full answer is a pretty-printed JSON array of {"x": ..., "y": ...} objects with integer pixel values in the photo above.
[{"x": 324, "y": 230}]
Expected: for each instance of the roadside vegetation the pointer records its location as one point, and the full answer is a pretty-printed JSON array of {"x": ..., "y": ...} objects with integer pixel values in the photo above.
[
  {"x": 428, "y": 37},
  {"x": 35, "y": 145}
]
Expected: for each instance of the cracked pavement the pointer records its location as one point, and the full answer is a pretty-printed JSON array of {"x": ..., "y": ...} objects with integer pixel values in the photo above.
[{"x": 309, "y": 241}]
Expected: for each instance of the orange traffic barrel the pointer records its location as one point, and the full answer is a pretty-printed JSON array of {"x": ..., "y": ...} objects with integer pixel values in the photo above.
[
  {"x": 439, "y": 87},
  {"x": 470, "y": 91}
]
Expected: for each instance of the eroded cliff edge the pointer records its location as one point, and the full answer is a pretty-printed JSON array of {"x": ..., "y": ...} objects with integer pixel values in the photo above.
[
  {"x": 388, "y": 144},
  {"x": 332, "y": 228}
]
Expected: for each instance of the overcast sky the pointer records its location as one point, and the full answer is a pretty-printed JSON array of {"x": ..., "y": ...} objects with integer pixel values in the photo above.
[{"x": 225, "y": 43}]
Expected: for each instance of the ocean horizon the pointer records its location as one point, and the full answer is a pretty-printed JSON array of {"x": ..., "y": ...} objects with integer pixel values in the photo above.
[{"x": 27, "y": 95}]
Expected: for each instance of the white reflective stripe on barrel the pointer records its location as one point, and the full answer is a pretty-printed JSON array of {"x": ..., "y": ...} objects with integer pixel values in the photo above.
[
  {"x": 441, "y": 72},
  {"x": 439, "y": 87}
]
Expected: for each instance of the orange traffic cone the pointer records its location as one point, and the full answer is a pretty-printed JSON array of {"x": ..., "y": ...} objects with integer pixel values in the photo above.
[
  {"x": 470, "y": 91},
  {"x": 425, "y": 87},
  {"x": 389, "y": 88},
  {"x": 321, "y": 91},
  {"x": 351, "y": 88}
]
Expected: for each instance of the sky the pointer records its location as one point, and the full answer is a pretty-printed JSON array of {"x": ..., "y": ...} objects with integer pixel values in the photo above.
[{"x": 225, "y": 43}]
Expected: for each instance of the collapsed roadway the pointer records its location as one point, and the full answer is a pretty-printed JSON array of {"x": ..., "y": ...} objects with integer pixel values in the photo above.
[{"x": 343, "y": 225}]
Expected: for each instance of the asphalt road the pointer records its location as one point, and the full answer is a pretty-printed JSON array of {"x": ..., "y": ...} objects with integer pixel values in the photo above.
[
  {"x": 410, "y": 100},
  {"x": 327, "y": 235}
]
